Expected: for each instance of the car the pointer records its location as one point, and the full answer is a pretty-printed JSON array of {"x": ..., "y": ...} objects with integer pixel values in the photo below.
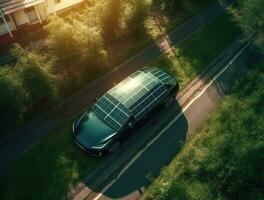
[{"x": 103, "y": 126}]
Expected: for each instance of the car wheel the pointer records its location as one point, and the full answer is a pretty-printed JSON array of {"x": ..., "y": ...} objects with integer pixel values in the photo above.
[
  {"x": 114, "y": 147},
  {"x": 169, "y": 102}
]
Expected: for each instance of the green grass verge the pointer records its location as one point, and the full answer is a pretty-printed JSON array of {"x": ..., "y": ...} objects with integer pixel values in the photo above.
[
  {"x": 48, "y": 170},
  {"x": 196, "y": 52},
  {"x": 224, "y": 160}
]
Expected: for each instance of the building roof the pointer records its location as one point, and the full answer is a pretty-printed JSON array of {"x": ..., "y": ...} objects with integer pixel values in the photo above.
[
  {"x": 134, "y": 96},
  {"x": 10, "y": 6}
]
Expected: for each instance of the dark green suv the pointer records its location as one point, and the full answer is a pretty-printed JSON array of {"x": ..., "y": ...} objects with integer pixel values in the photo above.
[{"x": 100, "y": 129}]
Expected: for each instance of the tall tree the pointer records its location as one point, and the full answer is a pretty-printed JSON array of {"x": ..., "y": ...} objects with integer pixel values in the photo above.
[
  {"x": 11, "y": 99},
  {"x": 249, "y": 16},
  {"x": 141, "y": 9},
  {"x": 112, "y": 19},
  {"x": 37, "y": 82},
  {"x": 72, "y": 41}
]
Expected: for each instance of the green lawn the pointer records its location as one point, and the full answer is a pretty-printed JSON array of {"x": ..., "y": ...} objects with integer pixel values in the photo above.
[
  {"x": 196, "y": 52},
  {"x": 224, "y": 160},
  {"x": 49, "y": 169}
]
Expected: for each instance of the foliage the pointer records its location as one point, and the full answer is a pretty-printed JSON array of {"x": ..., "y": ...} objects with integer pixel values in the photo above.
[
  {"x": 140, "y": 13},
  {"x": 11, "y": 99},
  {"x": 74, "y": 42},
  {"x": 198, "y": 51},
  {"x": 79, "y": 47},
  {"x": 250, "y": 17},
  {"x": 67, "y": 36},
  {"x": 24, "y": 86},
  {"x": 188, "y": 6},
  {"x": 225, "y": 159},
  {"x": 48, "y": 170},
  {"x": 112, "y": 19},
  {"x": 37, "y": 82}
]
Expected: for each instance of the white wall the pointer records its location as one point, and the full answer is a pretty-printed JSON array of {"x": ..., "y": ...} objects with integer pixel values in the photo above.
[
  {"x": 63, "y": 4},
  {"x": 42, "y": 11},
  {"x": 21, "y": 17},
  {"x": 50, "y": 6}
]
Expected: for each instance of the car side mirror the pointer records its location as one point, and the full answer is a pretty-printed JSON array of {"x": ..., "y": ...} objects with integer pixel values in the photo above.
[
  {"x": 130, "y": 125},
  {"x": 96, "y": 99}
]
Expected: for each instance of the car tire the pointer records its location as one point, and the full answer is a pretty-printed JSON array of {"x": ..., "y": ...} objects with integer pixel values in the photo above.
[
  {"x": 169, "y": 102},
  {"x": 114, "y": 147}
]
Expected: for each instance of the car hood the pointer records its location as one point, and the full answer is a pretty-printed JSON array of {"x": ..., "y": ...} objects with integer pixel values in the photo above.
[{"x": 92, "y": 132}]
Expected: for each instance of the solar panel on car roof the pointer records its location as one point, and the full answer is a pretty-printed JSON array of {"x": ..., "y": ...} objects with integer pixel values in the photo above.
[
  {"x": 138, "y": 94},
  {"x": 112, "y": 111},
  {"x": 149, "y": 101},
  {"x": 132, "y": 89},
  {"x": 161, "y": 75}
]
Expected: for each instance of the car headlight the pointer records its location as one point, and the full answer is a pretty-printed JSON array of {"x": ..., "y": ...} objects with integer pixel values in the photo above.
[{"x": 100, "y": 146}]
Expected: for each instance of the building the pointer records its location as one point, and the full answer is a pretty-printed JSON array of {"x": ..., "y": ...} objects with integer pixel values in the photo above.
[{"x": 15, "y": 14}]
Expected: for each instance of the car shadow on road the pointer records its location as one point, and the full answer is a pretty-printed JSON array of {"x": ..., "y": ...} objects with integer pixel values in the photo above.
[{"x": 154, "y": 145}]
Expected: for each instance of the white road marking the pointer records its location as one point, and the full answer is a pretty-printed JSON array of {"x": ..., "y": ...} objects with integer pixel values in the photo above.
[{"x": 170, "y": 124}]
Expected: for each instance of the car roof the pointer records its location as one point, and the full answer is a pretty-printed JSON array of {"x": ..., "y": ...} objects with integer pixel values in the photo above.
[{"x": 134, "y": 96}]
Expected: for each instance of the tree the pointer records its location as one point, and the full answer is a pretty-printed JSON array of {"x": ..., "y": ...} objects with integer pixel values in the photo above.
[
  {"x": 73, "y": 42},
  {"x": 249, "y": 16},
  {"x": 11, "y": 99},
  {"x": 111, "y": 22},
  {"x": 141, "y": 9},
  {"x": 37, "y": 82},
  {"x": 66, "y": 37}
]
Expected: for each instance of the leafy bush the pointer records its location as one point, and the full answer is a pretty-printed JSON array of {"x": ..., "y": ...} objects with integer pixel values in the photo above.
[
  {"x": 111, "y": 22},
  {"x": 37, "y": 82},
  {"x": 67, "y": 36},
  {"x": 249, "y": 16},
  {"x": 75, "y": 43},
  {"x": 11, "y": 99},
  {"x": 225, "y": 159},
  {"x": 140, "y": 14},
  {"x": 24, "y": 86}
]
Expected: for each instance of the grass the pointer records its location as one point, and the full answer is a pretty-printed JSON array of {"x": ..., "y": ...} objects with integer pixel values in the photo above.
[
  {"x": 224, "y": 159},
  {"x": 49, "y": 169},
  {"x": 195, "y": 53}
]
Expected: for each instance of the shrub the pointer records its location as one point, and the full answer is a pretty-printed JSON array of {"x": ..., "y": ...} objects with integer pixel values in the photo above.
[
  {"x": 111, "y": 22},
  {"x": 37, "y": 82},
  {"x": 249, "y": 16},
  {"x": 11, "y": 99},
  {"x": 140, "y": 14}
]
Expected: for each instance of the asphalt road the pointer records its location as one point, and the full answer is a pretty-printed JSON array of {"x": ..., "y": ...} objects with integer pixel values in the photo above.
[
  {"x": 22, "y": 139},
  {"x": 132, "y": 179}
]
